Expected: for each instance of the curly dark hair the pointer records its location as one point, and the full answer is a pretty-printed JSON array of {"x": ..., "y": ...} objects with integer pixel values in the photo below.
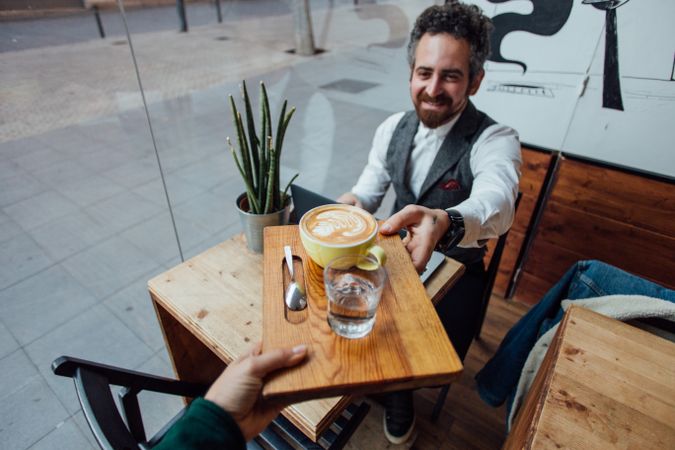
[{"x": 459, "y": 20}]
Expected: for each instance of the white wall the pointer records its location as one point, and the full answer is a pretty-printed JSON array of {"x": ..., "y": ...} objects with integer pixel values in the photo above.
[{"x": 557, "y": 102}]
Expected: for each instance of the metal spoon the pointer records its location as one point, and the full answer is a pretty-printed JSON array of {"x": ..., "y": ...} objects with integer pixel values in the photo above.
[{"x": 295, "y": 295}]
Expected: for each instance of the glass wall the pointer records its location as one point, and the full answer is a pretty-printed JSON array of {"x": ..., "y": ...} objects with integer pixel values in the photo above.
[{"x": 85, "y": 220}]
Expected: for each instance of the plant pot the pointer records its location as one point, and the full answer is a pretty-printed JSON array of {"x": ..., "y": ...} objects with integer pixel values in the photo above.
[{"x": 253, "y": 224}]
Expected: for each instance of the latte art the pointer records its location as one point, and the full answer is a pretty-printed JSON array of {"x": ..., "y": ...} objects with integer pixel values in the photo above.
[
  {"x": 334, "y": 224},
  {"x": 339, "y": 224}
]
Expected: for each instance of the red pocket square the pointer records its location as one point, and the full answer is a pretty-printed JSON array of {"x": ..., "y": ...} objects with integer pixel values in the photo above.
[{"x": 451, "y": 185}]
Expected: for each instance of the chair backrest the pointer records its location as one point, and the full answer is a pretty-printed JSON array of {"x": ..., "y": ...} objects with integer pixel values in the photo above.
[
  {"x": 495, "y": 259},
  {"x": 492, "y": 270},
  {"x": 112, "y": 428},
  {"x": 100, "y": 410}
]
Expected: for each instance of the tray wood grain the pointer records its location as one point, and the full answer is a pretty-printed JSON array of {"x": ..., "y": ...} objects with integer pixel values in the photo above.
[{"x": 408, "y": 347}]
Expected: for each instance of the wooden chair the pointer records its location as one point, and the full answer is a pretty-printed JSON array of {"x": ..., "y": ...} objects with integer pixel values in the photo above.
[
  {"x": 114, "y": 429},
  {"x": 493, "y": 268}
]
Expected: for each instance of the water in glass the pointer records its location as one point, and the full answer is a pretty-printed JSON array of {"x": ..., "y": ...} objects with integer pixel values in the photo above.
[{"x": 352, "y": 302}]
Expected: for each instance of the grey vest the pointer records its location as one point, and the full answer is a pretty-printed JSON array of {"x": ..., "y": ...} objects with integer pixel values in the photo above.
[{"x": 449, "y": 180}]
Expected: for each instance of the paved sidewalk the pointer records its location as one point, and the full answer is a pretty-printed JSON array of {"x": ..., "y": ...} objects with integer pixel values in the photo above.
[
  {"x": 75, "y": 82},
  {"x": 81, "y": 26}
]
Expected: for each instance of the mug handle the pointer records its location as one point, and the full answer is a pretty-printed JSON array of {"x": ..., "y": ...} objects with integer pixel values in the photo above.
[{"x": 378, "y": 253}]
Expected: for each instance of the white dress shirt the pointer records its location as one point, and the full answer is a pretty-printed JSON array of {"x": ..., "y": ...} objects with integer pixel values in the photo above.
[{"x": 495, "y": 164}]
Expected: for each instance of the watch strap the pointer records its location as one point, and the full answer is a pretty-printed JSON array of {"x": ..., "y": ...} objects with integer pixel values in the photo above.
[{"x": 455, "y": 232}]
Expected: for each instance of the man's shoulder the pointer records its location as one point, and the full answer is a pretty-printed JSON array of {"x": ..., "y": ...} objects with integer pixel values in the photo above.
[{"x": 492, "y": 126}]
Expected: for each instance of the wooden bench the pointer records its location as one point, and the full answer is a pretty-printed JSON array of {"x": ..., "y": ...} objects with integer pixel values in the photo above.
[
  {"x": 598, "y": 211},
  {"x": 573, "y": 209}
]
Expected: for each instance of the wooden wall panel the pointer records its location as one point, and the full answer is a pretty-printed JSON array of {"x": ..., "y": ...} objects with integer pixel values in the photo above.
[
  {"x": 597, "y": 212},
  {"x": 618, "y": 243},
  {"x": 646, "y": 203},
  {"x": 508, "y": 262},
  {"x": 531, "y": 287},
  {"x": 533, "y": 172},
  {"x": 522, "y": 219}
]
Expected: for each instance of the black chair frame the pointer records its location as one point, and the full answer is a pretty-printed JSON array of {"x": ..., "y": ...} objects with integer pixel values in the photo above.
[
  {"x": 492, "y": 271},
  {"x": 114, "y": 429}
]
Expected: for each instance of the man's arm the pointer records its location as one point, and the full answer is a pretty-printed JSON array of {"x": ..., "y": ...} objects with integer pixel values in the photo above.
[
  {"x": 495, "y": 163},
  {"x": 487, "y": 213},
  {"x": 371, "y": 186}
]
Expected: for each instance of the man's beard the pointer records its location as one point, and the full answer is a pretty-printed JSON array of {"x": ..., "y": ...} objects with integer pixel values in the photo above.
[{"x": 434, "y": 119}]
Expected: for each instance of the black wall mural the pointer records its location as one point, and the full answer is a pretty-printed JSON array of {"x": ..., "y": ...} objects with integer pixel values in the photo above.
[
  {"x": 546, "y": 19},
  {"x": 611, "y": 86}
]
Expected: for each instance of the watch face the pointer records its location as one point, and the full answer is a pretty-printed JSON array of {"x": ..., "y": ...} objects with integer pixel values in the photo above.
[{"x": 456, "y": 219}]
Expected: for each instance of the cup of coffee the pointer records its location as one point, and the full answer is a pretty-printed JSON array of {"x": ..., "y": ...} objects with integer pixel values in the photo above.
[{"x": 331, "y": 231}]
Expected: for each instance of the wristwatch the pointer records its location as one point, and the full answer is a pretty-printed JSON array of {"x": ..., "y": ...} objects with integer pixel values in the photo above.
[{"x": 455, "y": 232}]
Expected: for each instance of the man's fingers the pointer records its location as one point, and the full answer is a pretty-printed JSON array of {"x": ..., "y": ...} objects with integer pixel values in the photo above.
[
  {"x": 272, "y": 360},
  {"x": 346, "y": 198},
  {"x": 419, "y": 254},
  {"x": 409, "y": 215},
  {"x": 350, "y": 199}
]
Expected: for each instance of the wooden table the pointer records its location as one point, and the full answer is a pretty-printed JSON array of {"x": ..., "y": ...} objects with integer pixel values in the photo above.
[
  {"x": 210, "y": 312},
  {"x": 603, "y": 384}
]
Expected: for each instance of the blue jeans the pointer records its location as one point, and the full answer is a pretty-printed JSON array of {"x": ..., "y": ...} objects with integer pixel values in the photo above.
[{"x": 497, "y": 381}]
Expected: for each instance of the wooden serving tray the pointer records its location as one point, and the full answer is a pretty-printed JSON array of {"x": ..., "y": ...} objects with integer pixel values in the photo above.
[{"x": 408, "y": 347}]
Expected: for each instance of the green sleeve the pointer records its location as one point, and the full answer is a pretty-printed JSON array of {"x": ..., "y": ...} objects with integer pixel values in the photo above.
[{"x": 205, "y": 425}]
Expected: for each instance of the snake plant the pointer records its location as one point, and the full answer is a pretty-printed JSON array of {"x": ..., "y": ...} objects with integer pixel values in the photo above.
[{"x": 258, "y": 155}]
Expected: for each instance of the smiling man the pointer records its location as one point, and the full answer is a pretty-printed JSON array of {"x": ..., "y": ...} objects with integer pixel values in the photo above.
[{"x": 454, "y": 170}]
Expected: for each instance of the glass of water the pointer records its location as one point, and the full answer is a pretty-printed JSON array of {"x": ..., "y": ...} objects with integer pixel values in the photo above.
[{"x": 353, "y": 287}]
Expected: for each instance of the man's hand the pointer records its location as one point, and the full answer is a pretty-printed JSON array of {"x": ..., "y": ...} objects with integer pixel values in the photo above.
[
  {"x": 350, "y": 199},
  {"x": 425, "y": 228},
  {"x": 237, "y": 389}
]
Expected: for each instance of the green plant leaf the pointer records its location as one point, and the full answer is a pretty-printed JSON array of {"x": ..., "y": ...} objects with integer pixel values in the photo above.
[
  {"x": 281, "y": 134},
  {"x": 272, "y": 174},
  {"x": 252, "y": 202},
  {"x": 250, "y": 123},
  {"x": 285, "y": 195},
  {"x": 280, "y": 123},
  {"x": 278, "y": 145},
  {"x": 264, "y": 152},
  {"x": 243, "y": 147}
]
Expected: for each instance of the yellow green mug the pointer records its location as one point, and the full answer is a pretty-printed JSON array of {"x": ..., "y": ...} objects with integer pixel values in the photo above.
[{"x": 331, "y": 231}]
